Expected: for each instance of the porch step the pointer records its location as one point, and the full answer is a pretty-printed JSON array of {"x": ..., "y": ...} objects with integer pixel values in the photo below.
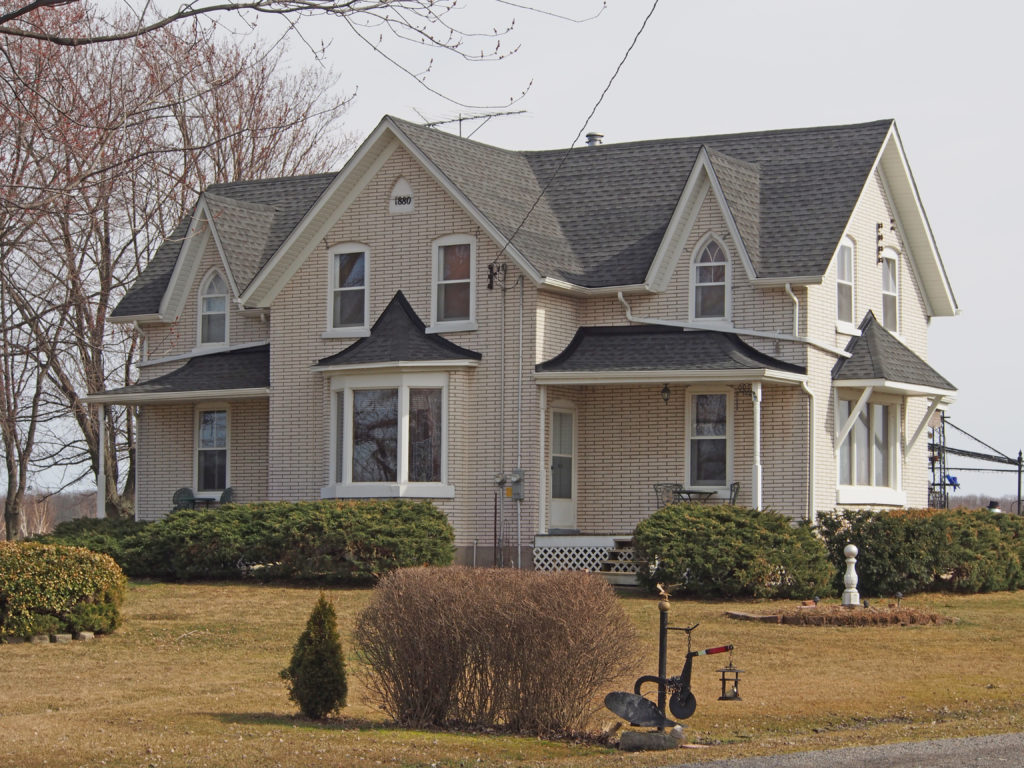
[{"x": 619, "y": 567}]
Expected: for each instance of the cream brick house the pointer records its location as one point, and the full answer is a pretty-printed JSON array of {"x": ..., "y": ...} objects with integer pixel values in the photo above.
[{"x": 747, "y": 308}]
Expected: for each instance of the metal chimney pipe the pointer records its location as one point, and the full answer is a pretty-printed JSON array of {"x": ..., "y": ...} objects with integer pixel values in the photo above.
[{"x": 593, "y": 139}]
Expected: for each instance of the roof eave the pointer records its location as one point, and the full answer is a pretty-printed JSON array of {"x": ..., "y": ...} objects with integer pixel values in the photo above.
[
  {"x": 127, "y": 398},
  {"x": 668, "y": 376},
  {"x": 887, "y": 386},
  {"x": 399, "y": 365}
]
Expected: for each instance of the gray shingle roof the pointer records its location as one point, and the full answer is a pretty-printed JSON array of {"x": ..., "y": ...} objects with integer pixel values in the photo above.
[
  {"x": 399, "y": 336},
  {"x": 659, "y": 348},
  {"x": 603, "y": 217},
  {"x": 247, "y": 368},
  {"x": 609, "y": 206},
  {"x": 242, "y": 210},
  {"x": 878, "y": 355}
]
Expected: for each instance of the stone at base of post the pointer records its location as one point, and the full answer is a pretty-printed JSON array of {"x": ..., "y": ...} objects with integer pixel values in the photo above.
[
  {"x": 851, "y": 596},
  {"x": 644, "y": 741}
]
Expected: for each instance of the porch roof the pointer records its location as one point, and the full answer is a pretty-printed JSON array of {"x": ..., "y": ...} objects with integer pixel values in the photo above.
[
  {"x": 233, "y": 375},
  {"x": 637, "y": 353},
  {"x": 879, "y": 359},
  {"x": 397, "y": 338}
]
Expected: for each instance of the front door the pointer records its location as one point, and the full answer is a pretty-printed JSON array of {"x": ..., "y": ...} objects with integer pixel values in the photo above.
[{"x": 563, "y": 470}]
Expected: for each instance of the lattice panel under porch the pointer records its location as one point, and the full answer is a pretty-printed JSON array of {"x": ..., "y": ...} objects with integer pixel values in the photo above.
[{"x": 569, "y": 558}]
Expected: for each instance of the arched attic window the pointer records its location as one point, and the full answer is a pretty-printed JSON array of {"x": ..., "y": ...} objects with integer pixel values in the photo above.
[
  {"x": 213, "y": 310},
  {"x": 710, "y": 282}
]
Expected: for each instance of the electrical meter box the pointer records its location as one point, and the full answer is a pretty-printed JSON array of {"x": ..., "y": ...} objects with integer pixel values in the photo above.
[{"x": 513, "y": 484}]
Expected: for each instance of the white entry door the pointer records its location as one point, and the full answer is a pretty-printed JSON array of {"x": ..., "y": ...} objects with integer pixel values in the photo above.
[{"x": 563, "y": 469}]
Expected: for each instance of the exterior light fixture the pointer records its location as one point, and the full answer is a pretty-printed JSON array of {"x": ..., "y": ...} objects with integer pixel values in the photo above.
[
  {"x": 730, "y": 683},
  {"x": 665, "y": 393}
]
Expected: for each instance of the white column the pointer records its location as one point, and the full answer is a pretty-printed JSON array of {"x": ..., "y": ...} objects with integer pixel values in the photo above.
[
  {"x": 755, "y": 479},
  {"x": 542, "y": 470},
  {"x": 851, "y": 596},
  {"x": 101, "y": 470}
]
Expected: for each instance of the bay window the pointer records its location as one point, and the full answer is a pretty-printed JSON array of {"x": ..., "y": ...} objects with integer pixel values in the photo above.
[
  {"x": 869, "y": 454},
  {"x": 389, "y": 436}
]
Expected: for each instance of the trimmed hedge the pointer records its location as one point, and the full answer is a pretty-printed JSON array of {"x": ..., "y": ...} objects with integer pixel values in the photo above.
[
  {"x": 349, "y": 542},
  {"x": 107, "y": 535},
  {"x": 725, "y": 551},
  {"x": 45, "y": 588},
  {"x": 918, "y": 550}
]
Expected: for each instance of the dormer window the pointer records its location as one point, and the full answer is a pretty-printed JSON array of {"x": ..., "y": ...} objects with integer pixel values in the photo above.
[
  {"x": 454, "y": 300},
  {"x": 890, "y": 291},
  {"x": 844, "y": 283},
  {"x": 213, "y": 310},
  {"x": 711, "y": 283}
]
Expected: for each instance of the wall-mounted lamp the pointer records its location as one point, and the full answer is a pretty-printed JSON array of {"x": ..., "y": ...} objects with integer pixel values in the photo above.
[{"x": 665, "y": 393}]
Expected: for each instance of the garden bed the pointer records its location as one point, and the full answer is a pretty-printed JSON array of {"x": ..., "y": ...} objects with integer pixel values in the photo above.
[{"x": 841, "y": 616}]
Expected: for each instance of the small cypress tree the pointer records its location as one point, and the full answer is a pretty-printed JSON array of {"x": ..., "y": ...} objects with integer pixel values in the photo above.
[{"x": 316, "y": 675}]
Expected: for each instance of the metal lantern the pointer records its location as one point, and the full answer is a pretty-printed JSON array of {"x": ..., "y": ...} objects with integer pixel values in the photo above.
[{"x": 730, "y": 683}]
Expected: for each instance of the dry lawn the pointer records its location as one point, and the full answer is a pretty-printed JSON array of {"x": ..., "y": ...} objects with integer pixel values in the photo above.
[{"x": 192, "y": 680}]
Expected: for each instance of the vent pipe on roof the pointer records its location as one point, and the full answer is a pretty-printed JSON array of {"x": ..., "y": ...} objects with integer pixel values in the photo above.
[{"x": 593, "y": 139}]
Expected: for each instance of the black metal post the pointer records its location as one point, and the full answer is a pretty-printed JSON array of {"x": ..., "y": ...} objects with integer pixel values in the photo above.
[
  {"x": 1020, "y": 464},
  {"x": 662, "y": 654}
]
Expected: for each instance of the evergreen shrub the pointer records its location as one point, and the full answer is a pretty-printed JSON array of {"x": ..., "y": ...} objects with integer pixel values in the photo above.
[
  {"x": 47, "y": 588},
  {"x": 316, "y": 676},
  {"x": 346, "y": 542},
  {"x": 701, "y": 550},
  {"x": 917, "y": 550}
]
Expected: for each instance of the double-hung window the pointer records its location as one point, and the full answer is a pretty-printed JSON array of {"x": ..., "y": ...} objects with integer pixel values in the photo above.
[
  {"x": 212, "y": 450},
  {"x": 711, "y": 283},
  {"x": 213, "y": 310},
  {"x": 389, "y": 436},
  {"x": 454, "y": 299},
  {"x": 348, "y": 307},
  {"x": 709, "y": 433},
  {"x": 844, "y": 283},
  {"x": 890, "y": 291}
]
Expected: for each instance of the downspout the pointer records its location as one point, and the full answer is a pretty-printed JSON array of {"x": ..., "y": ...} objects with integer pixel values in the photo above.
[
  {"x": 796, "y": 309},
  {"x": 519, "y": 433},
  {"x": 812, "y": 515}
]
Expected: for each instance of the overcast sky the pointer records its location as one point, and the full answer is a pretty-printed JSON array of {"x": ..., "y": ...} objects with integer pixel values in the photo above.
[{"x": 948, "y": 73}]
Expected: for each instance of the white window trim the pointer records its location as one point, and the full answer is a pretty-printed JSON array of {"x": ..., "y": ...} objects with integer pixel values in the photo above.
[
  {"x": 200, "y": 408},
  {"x": 730, "y": 444},
  {"x": 343, "y": 487},
  {"x": 726, "y": 319},
  {"x": 887, "y": 495},
  {"x": 351, "y": 331},
  {"x": 202, "y": 346},
  {"x": 450, "y": 326},
  {"x": 888, "y": 254},
  {"x": 842, "y": 326}
]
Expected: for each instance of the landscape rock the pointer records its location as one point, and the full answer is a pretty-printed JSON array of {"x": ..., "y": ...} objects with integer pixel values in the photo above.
[
  {"x": 61, "y": 638},
  {"x": 643, "y": 741}
]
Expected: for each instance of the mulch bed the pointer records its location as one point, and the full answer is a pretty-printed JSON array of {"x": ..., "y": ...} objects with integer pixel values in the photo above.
[{"x": 838, "y": 616}]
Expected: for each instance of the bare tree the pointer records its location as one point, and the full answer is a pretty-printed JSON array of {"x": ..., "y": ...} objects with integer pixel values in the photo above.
[{"x": 114, "y": 143}]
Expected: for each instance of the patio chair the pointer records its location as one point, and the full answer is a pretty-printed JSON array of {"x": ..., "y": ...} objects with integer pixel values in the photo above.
[
  {"x": 734, "y": 492},
  {"x": 667, "y": 493},
  {"x": 227, "y": 495},
  {"x": 183, "y": 498}
]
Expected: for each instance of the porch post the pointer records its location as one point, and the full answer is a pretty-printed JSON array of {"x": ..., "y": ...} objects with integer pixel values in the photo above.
[
  {"x": 542, "y": 473},
  {"x": 755, "y": 480},
  {"x": 101, "y": 470}
]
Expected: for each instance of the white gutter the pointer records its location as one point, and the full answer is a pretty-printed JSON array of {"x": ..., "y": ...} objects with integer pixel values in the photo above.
[{"x": 730, "y": 329}]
